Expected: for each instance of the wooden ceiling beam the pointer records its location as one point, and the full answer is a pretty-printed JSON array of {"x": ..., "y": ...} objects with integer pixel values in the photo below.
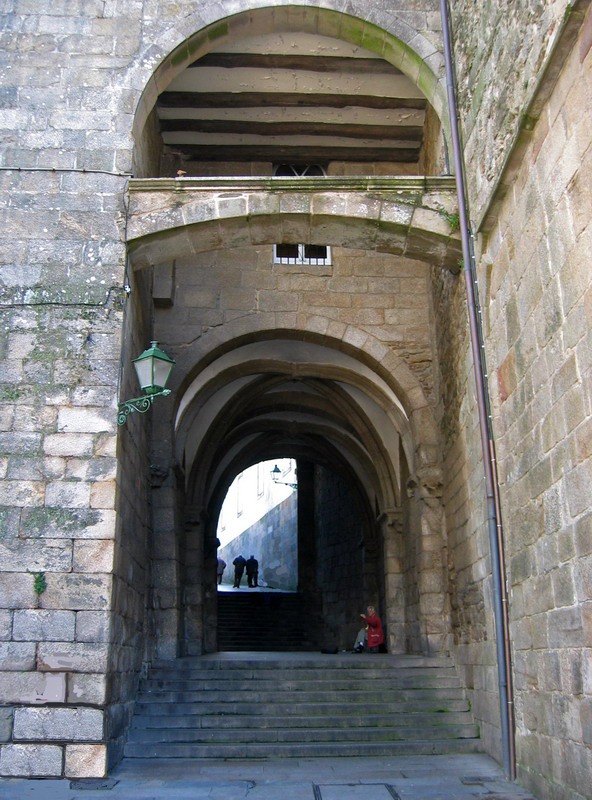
[
  {"x": 293, "y": 155},
  {"x": 408, "y": 132},
  {"x": 289, "y": 100},
  {"x": 311, "y": 63}
]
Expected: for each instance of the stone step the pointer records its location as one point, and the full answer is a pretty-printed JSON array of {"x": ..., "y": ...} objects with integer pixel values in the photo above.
[
  {"x": 267, "y": 685},
  {"x": 310, "y": 705},
  {"x": 233, "y": 646},
  {"x": 250, "y": 735},
  {"x": 403, "y": 718},
  {"x": 249, "y": 621},
  {"x": 315, "y": 663},
  {"x": 163, "y": 750},
  {"x": 301, "y": 696},
  {"x": 288, "y": 708},
  {"x": 344, "y": 674}
]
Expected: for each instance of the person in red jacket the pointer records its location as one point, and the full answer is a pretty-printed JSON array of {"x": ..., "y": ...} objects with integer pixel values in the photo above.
[{"x": 372, "y": 635}]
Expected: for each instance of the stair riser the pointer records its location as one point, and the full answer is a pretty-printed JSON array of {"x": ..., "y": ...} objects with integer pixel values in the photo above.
[
  {"x": 313, "y": 663},
  {"x": 342, "y": 675},
  {"x": 219, "y": 722},
  {"x": 291, "y": 709},
  {"x": 310, "y": 735},
  {"x": 310, "y": 706},
  {"x": 256, "y": 684},
  {"x": 300, "y": 697},
  {"x": 293, "y": 750}
]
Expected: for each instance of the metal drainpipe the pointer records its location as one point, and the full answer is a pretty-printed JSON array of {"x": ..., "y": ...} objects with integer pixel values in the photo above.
[{"x": 494, "y": 524}]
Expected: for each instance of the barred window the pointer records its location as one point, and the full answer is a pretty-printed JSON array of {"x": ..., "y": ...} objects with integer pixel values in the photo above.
[{"x": 315, "y": 254}]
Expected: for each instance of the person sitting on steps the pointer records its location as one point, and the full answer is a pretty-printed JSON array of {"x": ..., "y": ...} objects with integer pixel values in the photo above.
[{"x": 371, "y": 636}]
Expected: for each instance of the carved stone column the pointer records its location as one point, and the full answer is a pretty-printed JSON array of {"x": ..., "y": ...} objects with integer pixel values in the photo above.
[
  {"x": 193, "y": 580},
  {"x": 390, "y": 525},
  {"x": 432, "y": 559},
  {"x": 165, "y": 567}
]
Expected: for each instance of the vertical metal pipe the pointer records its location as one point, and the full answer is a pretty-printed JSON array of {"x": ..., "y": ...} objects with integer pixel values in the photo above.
[{"x": 500, "y": 604}]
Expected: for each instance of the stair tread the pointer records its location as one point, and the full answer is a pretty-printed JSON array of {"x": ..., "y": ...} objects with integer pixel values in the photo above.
[
  {"x": 263, "y": 706},
  {"x": 286, "y": 735},
  {"x": 236, "y": 611},
  {"x": 148, "y": 722},
  {"x": 310, "y": 710},
  {"x": 302, "y": 749}
]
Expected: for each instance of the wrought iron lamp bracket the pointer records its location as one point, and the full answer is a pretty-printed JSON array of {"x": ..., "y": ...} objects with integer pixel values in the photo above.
[{"x": 140, "y": 404}]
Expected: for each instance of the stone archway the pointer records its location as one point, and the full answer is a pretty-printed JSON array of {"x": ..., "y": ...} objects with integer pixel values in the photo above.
[
  {"x": 404, "y": 216},
  {"x": 416, "y": 52},
  {"x": 230, "y": 383},
  {"x": 235, "y": 320}
]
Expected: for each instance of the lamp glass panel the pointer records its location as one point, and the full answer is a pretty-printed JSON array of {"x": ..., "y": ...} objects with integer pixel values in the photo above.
[
  {"x": 144, "y": 372},
  {"x": 162, "y": 370}
]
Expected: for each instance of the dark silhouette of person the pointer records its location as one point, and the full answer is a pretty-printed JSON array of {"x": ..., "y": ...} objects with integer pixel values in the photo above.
[
  {"x": 220, "y": 567},
  {"x": 239, "y": 567},
  {"x": 252, "y": 572}
]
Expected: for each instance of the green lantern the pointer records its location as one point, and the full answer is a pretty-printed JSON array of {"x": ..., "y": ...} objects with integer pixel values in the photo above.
[{"x": 153, "y": 368}]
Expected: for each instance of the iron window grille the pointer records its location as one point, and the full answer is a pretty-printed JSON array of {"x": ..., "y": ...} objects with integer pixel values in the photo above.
[{"x": 314, "y": 254}]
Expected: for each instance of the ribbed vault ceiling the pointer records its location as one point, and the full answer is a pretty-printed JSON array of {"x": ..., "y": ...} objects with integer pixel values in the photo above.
[
  {"x": 252, "y": 406},
  {"x": 292, "y": 98}
]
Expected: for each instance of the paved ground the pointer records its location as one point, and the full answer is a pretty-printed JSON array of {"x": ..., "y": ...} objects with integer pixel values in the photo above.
[{"x": 453, "y": 777}]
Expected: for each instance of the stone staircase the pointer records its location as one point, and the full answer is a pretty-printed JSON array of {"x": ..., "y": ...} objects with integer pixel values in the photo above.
[
  {"x": 301, "y": 705},
  {"x": 261, "y": 621}
]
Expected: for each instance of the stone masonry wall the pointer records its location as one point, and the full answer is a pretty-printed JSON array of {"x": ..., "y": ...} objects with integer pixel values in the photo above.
[
  {"x": 75, "y": 74},
  {"x": 340, "y": 552},
  {"x": 469, "y": 578},
  {"x": 65, "y": 123},
  {"x": 383, "y": 294},
  {"x": 131, "y": 565},
  {"x": 62, "y": 307},
  {"x": 499, "y": 47},
  {"x": 536, "y": 270}
]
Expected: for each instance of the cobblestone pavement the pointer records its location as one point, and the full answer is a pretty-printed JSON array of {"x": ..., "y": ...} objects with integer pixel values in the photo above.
[{"x": 450, "y": 777}]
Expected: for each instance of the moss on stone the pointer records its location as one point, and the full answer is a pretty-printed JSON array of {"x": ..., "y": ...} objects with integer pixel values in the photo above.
[
  {"x": 196, "y": 43},
  {"x": 352, "y": 30},
  {"x": 10, "y": 394},
  {"x": 218, "y": 31},
  {"x": 373, "y": 38},
  {"x": 49, "y": 521},
  {"x": 179, "y": 57},
  {"x": 426, "y": 81}
]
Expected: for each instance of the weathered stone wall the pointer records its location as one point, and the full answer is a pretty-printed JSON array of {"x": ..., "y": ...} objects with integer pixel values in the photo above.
[
  {"x": 68, "y": 102},
  {"x": 131, "y": 568},
  {"x": 384, "y": 295},
  {"x": 469, "y": 579},
  {"x": 341, "y": 532},
  {"x": 66, "y": 121},
  {"x": 500, "y": 48},
  {"x": 62, "y": 311},
  {"x": 535, "y": 267}
]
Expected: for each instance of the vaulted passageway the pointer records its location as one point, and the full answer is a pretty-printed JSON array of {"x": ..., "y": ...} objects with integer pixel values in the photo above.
[
  {"x": 361, "y": 536},
  {"x": 290, "y": 398},
  {"x": 331, "y": 362},
  {"x": 314, "y": 134}
]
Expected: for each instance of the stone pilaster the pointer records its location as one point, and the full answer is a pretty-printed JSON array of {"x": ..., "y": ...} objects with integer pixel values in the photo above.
[
  {"x": 432, "y": 559},
  {"x": 390, "y": 524}
]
